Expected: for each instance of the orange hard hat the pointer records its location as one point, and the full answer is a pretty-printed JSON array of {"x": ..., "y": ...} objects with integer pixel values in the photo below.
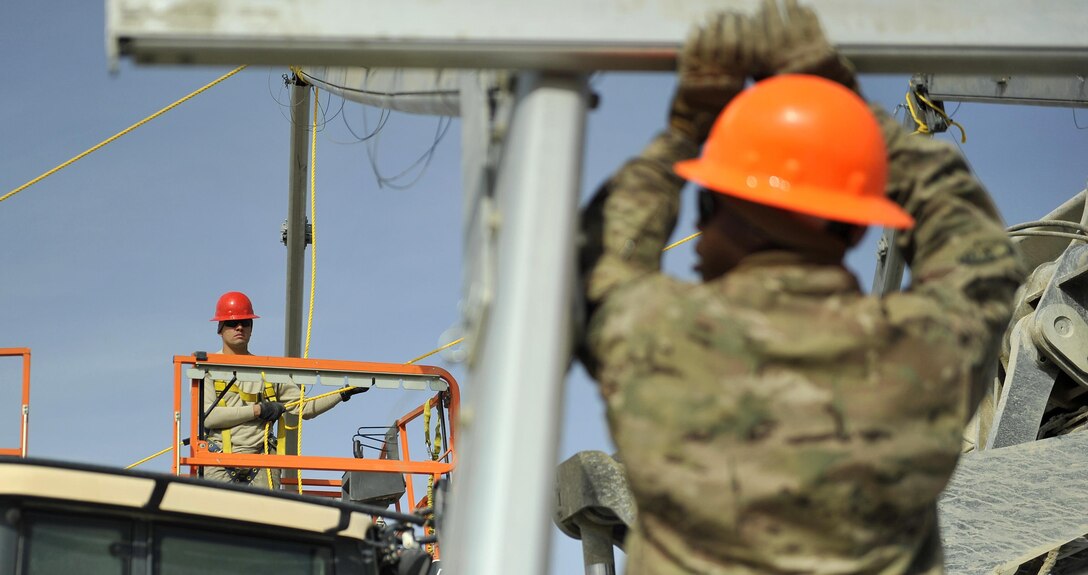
[
  {"x": 804, "y": 144},
  {"x": 234, "y": 305}
]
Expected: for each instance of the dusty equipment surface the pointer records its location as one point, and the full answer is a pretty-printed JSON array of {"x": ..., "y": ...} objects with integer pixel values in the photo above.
[{"x": 1007, "y": 506}]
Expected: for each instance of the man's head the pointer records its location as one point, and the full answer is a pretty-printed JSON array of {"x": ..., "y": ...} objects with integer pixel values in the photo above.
[
  {"x": 234, "y": 312},
  {"x": 795, "y": 162}
]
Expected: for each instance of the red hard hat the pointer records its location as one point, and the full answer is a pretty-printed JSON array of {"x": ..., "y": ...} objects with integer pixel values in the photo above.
[
  {"x": 234, "y": 305},
  {"x": 804, "y": 144}
]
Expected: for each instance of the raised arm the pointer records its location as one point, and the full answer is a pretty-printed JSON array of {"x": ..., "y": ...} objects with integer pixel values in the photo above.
[
  {"x": 958, "y": 246},
  {"x": 289, "y": 393},
  {"x": 961, "y": 259},
  {"x": 627, "y": 223}
]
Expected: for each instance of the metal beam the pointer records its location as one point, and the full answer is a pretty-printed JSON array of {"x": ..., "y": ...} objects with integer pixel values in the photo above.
[
  {"x": 881, "y": 36},
  {"x": 507, "y": 461},
  {"x": 1067, "y": 91}
]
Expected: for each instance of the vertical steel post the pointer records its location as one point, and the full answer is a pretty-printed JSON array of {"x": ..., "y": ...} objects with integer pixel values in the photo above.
[
  {"x": 24, "y": 428},
  {"x": 597, "y": 548},
  {"x": 296, "y": 216},
  {"x": 501, "y": 511},
  {"x": 176, "y": 467},
  {"x": 889, "y": 264},
  {"x": 296, "y": 241},
  {"x": 889, "y": 260}
]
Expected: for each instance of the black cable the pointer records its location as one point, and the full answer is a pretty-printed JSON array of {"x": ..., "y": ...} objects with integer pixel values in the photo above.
[
  {"x": 386, "y": 513},
  {"x": 442, "y": 420},
  {"x": 1075, "y": 123},
  {"x": 286, "y": 81},
  {"x": 219, "y": 397},
  {"x": 324, "y": 111},
  {"x": 383, "y": 94},
  {"x": 382, "y": 119},
  {"x": 425, "y": 158},
  {"x": 963, "y": 154}
]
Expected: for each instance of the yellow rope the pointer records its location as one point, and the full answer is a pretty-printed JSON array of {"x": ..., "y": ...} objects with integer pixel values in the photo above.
[
  {"x": 435, "y": 444},
  {"x": 309, "y": 399},
  {"x": 288, "y": 405},
  {"x": 313, "y": 275},
  {"x": 267, "y": 425},
  {"x": 922, "y": 128},
  {"x": 947, "y": 118},
  {"x": 427, "y": 422},
  {"x": 313, "y": 225},
  {"x": 149, "y": 458},
  {"x": 268, "y": 470},
  {"x": 298, "y": 438},
  {"x": 118, "y": 135},
  {"x": 680, "y": 242},
  {"x": 434, "y": 351}
]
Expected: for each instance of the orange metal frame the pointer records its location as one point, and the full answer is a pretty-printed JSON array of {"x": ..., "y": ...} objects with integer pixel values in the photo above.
[
  {"x": 200, "y": 456},
  {"x": 25, "y": 408}
]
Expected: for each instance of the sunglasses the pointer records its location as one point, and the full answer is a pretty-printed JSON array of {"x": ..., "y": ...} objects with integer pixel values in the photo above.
[
  {"x": 707, "y": 205},
  {"x": 233, "y": 323}
]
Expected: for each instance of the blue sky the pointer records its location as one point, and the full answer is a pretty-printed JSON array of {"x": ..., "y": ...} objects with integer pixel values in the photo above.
[{"x": 113, "y": 265}]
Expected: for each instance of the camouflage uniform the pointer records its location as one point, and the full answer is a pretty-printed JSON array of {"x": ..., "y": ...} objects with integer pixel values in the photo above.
[{"x": 778, "y": 420}]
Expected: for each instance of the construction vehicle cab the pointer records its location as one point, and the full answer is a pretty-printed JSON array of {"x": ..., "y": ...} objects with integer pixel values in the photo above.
[{"x": 61, "y": 519}]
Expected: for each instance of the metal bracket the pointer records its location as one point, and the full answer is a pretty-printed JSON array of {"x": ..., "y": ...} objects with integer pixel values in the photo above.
[
  {"x": 934, "y": 121},
  {"x": 1028, "y": 383},
  {"x": 1060, "y": 329},
  {"x": 1050, "y": 341},
  {"x": 594, "y": 504},
  {"x": 309, "y": 233}
]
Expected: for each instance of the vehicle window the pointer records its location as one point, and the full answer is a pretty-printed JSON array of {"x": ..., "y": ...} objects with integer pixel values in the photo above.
[
  {"x": 180, "y": 551},
  {"x": 67, "y": 545}
]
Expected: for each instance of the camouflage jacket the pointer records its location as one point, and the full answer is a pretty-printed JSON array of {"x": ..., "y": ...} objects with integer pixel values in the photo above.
[{"x": 778, "y": 420}]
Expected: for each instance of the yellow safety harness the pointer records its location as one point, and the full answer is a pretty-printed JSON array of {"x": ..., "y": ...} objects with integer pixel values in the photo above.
[
  {"x": 434, "y": 450},
  {"x": 269, "y": 394}
]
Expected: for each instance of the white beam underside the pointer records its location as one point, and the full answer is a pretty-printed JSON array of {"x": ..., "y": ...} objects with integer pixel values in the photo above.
[
  {"x": 880, "y": 36},
  {"x": 330, "y": 378}
]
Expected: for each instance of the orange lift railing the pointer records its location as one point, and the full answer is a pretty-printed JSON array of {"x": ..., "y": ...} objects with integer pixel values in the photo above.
[
  {"x": 25, "y": 407},
  {"x": 301, "y": 371}
]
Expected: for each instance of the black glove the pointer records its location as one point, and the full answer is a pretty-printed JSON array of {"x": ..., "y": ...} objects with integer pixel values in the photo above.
[
  {"x": 271, "y": 410},
  {"x": 347, "y": 392},
  {"x": 713, "y": 65},
  {"x": 791, "y": 41}
]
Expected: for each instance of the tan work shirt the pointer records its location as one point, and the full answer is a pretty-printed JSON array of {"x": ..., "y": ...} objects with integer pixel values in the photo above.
[
  {"x": 236, "y": 413},
  {"x": 777, "y": 420}
]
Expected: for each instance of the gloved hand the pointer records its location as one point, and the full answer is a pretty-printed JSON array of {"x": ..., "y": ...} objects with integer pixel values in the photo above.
[
  {"x": 349, "y": 390},
  {"x": 792, "y": 42},
  {"x": 271, "y": 410},
  {"x": 713, "y": 65}
]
